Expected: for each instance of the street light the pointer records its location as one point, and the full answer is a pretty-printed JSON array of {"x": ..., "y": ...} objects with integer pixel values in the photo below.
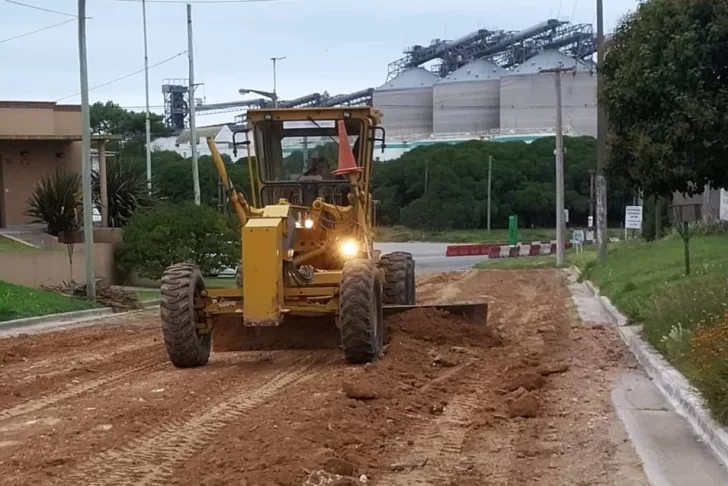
[{"x": 275, "y": 79}]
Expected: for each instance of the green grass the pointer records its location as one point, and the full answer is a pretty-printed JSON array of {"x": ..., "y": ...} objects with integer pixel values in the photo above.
[
  {"x": 647, "y": 282},
  {"x": 18, "y": 302},
  {"x": 538, "y": 262},
  {"x": 8, "y": 245},
  {"x": 147, "y": 295},
  {"x": 220, "y": 283},
  {"x": 401, "y": 234}
]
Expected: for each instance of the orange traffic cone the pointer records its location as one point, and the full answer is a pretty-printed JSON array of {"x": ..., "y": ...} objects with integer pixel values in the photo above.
[{"x": 347, "y": 163}]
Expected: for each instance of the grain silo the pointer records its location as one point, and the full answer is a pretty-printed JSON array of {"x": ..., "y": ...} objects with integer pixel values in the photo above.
[
  {"x": 528, "y": 97},
  {"x": 468, "y": 100},
  {"x": 406, "y": 103}
]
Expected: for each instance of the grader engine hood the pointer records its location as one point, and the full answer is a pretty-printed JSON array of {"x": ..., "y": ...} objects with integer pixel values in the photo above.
[{"x": 265, "y": 242}]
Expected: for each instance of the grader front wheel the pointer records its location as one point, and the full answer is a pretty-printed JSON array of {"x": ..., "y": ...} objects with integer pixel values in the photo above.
[
  {"x": 182, "y": 284},
  {"x": 361, "y": 316}
]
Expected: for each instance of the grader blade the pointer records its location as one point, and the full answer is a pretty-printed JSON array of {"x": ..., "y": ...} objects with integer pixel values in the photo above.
[{"x": 477, "y": 313}]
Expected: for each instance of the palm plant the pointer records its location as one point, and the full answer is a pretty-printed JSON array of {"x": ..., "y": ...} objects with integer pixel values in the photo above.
[
  {"x": 127, "y": 192},
  {"x": 57, "y": 202}
]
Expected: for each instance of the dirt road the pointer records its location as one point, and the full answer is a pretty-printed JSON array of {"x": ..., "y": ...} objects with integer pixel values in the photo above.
[{"x": 523, "y": 401}]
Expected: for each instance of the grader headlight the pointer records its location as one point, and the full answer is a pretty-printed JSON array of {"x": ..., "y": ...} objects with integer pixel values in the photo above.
[
  {"x": 349, "y": 248},
  {"x": 308, "y": 223}
]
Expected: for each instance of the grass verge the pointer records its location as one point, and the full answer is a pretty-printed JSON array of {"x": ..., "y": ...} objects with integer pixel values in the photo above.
[
  {"x": 18, "y": 302},
  {"x": 7, "y": 245},
  {"x": 684, "y": 317},
  {"x": 537, "y": 262}
]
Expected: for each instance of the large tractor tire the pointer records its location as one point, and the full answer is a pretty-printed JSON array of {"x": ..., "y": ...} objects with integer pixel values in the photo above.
[
  {"x": 186, "y": 346},
  {"x": 361, "y": 319},
  {"x": 399, "y": 278}
]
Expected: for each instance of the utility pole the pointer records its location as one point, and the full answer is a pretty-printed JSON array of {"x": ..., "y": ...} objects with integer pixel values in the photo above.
[
  {"x": 193, "y": 128},
  {"x": 559, "y": 153},
  {"x": 601, "y": 182},
  {"x": 490, "y": 173},
  {"x": 88, "y": 215},
  {"x": 148, "y": 124},
  {"x": 275, "y": 79}
]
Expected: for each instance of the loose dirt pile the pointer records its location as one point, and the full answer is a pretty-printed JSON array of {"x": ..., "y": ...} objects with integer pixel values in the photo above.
[{"x": 338, "y": 426}]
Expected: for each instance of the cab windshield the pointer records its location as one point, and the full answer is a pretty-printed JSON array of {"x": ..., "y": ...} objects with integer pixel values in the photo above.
[{"x": 308, "y": 150}]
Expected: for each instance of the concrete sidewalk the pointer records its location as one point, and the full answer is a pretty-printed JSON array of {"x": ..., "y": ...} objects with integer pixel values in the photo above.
[{"x": 671, "y": 453}]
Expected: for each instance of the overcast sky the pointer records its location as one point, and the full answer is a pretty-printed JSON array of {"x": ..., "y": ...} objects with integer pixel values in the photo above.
[{"x": 331, "y": 45}]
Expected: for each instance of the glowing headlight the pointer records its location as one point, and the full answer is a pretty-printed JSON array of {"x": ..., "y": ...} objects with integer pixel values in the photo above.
[
  {"x": 308, "y": 224},
  {"x": 349, "y": 249}
]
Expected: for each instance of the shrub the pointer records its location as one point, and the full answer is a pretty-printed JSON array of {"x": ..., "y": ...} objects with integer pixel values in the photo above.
[
  {"x": 183, "y": 233},
  {"x": 127, "y": 192},
  {"x": 57, "y": 201},
  {"x": 709, "y": 367}
]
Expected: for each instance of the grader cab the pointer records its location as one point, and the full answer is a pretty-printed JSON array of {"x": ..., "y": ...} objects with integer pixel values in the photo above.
[{"x": 307, "y": 240}]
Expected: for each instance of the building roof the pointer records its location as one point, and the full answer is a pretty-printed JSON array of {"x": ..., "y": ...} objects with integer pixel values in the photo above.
[
  {"x": 413, "y": 78},
  {"x": 548, "y": 59},
  {"x": 44, "y": 105},
  {"x": 478, "y": 70}
]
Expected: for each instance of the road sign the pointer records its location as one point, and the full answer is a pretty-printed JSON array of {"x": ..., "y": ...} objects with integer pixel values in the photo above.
[
  {"x": 566, "y": 215},
  {"x": 633, "y": 217},
  {"x": 591, "y": 222},
  {"x": 590, "y": 235}
]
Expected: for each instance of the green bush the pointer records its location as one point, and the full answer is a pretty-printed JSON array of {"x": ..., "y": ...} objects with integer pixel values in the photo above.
[
  {"x": 181, "y": 233},
  {"x": 56, "y": 201}
]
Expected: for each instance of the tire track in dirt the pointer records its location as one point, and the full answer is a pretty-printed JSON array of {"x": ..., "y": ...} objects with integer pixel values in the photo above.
[
  {"x": 135, "y": 347},
  {"x": 150, "y": 459},
  {"x": 438, "y": 447},
  {"x": 48, "y": 400},
  {"x": 439, "y": 452}
]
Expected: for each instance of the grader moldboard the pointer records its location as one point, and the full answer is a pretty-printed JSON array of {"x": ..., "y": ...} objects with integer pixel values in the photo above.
[{"x": 307, "y": 240}]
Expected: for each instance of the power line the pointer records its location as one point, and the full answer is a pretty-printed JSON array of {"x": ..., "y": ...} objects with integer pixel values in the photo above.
[
  {"x": 125, "y": 76},
  {"x": 34, "y": 7},
  {"x": 38, "y": 30}
]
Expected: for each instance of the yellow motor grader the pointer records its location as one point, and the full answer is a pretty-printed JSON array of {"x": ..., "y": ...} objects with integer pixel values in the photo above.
[{"x": 307, "y": 239}]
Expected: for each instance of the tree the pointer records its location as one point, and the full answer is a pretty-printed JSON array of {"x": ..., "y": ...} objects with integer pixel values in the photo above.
[
  {"x": 110, "y": 118},
  {"x": 445, "y": 186},
  {"x": 667, "y": 98}
]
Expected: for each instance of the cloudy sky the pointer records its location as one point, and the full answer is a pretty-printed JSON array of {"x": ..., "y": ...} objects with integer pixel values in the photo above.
[{"x": 330, "y": 45}]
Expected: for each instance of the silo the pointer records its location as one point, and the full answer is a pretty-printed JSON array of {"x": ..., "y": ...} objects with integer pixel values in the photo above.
[
  {"x": 528, "y": 97},
  {"x": 468, "y": 100},
  {"x": 406, "y": 103}
]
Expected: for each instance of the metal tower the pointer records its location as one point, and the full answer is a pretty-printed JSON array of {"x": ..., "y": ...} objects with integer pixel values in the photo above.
[{"x": 176, "y": 104}]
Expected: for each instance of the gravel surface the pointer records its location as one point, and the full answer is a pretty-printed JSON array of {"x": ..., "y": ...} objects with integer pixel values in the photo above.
[{"x": 523, "y": 400}]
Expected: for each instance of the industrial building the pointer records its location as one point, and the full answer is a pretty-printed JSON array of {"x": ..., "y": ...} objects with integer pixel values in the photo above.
[
  {"x": 489, "y": 84},
  {"x": 492, "y": 81}
]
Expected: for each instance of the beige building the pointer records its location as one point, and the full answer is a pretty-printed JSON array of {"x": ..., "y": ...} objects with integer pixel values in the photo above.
[{"x": 36, "y": 138}]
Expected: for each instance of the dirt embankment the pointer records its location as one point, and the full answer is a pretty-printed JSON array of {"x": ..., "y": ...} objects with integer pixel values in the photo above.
[{"x": 524, "y": 400}]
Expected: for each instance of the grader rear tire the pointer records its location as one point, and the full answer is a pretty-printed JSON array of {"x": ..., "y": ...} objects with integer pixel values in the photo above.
[
  {"x": 361, "y": 318},
  {"x": 399, "y": 278},
  {"x": 186, "y": 347}
]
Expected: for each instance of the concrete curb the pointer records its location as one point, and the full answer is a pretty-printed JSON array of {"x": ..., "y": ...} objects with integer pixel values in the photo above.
[
  {"x": 685, "y": 399},
  {"x": 617, "y": 317},
  {"x": 67, "y": 318}
]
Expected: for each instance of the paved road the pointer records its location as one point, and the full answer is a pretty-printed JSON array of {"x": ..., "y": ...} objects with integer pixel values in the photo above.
[{"x": 430, "y": 257}]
